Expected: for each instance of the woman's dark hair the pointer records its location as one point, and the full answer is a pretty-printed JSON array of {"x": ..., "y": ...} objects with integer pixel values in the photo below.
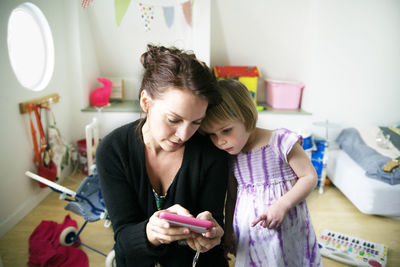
[{"x": 172, "y": 67}]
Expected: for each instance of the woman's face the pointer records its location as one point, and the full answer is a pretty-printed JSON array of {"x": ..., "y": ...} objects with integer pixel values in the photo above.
[{"x": 172, "y": 118}]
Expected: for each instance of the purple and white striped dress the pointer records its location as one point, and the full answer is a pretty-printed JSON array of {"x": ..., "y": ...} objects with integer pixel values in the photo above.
[{"x": 263, "y": 176}]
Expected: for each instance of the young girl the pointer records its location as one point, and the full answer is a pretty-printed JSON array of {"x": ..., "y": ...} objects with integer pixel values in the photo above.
[{"x": 271, "y": 221}]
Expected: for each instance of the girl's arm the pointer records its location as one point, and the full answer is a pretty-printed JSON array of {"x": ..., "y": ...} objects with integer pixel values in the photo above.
[
  {"x": 302, "y": 166},
  {"x": 305, "y": 171}
]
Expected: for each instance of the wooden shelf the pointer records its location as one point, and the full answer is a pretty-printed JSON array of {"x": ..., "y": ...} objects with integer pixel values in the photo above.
[
  {"x": 126, "y": 106},
  {"x": 270, "y": 110},
  {"x": 133, "y": 106}
]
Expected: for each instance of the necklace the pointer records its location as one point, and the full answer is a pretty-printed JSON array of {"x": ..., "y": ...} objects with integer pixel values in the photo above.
[{"x": 160, "y": 200}]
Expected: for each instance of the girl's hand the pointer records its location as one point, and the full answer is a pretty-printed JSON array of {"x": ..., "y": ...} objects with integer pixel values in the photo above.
[
  {"x": 205, "y": 242},
  {"x": 161, "y": 232},
  {"x": 272, "y": 217}
]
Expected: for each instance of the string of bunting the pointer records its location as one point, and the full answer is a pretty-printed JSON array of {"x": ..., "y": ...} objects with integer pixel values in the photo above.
[{"x": 146, "y": 9}]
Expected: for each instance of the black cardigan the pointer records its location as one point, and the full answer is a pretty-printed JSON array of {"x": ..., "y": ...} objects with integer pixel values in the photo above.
[{"x": 199, "y": 185}]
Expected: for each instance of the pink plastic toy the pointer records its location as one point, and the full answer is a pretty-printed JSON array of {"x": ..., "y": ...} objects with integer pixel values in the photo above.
[
  {"x": 284, "y": 95},
  {"x": 100, "y": 96}
]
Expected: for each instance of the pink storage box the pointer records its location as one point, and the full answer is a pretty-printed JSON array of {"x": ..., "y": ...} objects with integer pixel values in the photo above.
[{"x": 284, "y": 95}]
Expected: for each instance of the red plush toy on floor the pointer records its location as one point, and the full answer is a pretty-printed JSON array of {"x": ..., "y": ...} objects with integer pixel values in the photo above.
[
  {"x": 45, "y": 248},
  {"x": 101, "y": 95}
]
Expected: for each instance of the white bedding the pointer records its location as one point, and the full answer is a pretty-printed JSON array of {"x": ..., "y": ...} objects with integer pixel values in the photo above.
[{"x": 370, "y": 196}]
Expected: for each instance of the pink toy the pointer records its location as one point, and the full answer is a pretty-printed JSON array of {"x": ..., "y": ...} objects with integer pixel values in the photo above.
[
  {"x": 100, "y": 96},
  {"x": 284, "y": 95}
]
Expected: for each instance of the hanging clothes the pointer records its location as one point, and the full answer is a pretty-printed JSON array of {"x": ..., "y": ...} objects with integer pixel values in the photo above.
[{"x": 42, "y": 150}]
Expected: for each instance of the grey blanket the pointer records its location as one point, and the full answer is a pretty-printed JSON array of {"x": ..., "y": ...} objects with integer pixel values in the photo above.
[{"x": 368, "y": 158}]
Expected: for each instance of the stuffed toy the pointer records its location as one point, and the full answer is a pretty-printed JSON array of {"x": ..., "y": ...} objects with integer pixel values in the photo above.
[
  {"x": 101, "y": 95},
  {"x": 45, "y": 248}
]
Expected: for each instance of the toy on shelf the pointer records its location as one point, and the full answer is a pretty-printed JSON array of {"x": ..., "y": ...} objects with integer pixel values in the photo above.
[
  {"x": 247, "y": 75},
  {"x": 101, "y": 96},
  {"x": 118, "y": 90},
  {"x": 284, "y": 94}
]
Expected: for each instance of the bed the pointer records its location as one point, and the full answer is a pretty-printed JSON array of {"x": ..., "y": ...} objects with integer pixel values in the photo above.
[{"x": 370, "y": 195}]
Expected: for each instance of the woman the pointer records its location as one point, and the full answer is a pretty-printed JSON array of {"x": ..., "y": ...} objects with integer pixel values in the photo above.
[{"x": 162, "y": 163}]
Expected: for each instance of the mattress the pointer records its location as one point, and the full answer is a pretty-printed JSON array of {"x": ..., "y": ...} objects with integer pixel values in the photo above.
[{"x": 370, "y": 196}]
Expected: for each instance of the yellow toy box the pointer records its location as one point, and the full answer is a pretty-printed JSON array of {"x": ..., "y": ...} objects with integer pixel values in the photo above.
[{"x": 245, "y": 74}]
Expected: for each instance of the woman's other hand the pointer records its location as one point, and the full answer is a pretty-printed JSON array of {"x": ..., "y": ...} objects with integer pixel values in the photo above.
[
  {"x": 208, "y": 240},
  {"x": 160, "y": 231}
]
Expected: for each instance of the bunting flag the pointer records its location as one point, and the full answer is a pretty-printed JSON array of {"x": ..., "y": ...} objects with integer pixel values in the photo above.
[
  {"x": 169, "y": 16},
  {"x": 86, "y": 3},
  {"x": 147, "y": 15},
  {"x": 121, "y": 6},
  {"x": 147, "y": 10},
  {"x": 187, "y": 12}
]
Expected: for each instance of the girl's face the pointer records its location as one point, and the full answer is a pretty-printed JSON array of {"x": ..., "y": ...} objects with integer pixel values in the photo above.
[
  {"x": 229, "y": 136},
  {"x": 172, "y": 118}
]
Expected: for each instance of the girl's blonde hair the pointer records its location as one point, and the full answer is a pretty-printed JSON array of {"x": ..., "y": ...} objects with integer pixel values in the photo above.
[{"x": 236, "y": 105}]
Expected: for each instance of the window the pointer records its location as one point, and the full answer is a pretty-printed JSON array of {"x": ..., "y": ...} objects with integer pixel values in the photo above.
[{"x": 30, "y": 46}]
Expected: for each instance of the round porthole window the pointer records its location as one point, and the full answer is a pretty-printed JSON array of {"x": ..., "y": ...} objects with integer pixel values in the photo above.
[{"x": 30, "y": 46}]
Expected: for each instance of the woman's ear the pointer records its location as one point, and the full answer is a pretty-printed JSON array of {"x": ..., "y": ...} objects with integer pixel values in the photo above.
[{"x": 144, "y": 100}]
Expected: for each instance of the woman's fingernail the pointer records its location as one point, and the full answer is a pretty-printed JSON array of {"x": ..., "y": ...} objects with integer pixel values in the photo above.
[{"x": 186, "y": 231}]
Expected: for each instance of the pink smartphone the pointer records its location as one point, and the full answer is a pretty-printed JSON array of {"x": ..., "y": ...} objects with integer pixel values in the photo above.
[{"x": 195, "y": 225}]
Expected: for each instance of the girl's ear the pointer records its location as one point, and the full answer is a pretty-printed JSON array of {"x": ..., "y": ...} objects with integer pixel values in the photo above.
[{"x": 144, "y": 100}]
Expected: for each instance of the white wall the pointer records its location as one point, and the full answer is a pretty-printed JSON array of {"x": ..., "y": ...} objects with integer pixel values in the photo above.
[
  {"x": 346, "y": 52},
  {"x": 75, "y": 71},
  {"x": 119, "y": 48},
  {"x": 18, "y": 194},
  {"x": 356, "y": 62},
  {"x": 116, "y": 50}
]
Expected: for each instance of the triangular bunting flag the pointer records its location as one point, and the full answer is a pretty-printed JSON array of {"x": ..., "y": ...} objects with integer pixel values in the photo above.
[
  {"x": 187, "y": 12},
  {"x": 121, "y": 6},
  {"x": 169, "y": 16}
]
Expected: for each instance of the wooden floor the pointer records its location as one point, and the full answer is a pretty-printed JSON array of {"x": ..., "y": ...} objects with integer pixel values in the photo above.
[
  {"x": 330, "y": 210},
  {"x": 14, "y": 246}
]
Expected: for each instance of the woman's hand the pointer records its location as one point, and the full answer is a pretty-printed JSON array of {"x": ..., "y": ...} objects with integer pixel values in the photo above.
[
  {"x": 208, "y": 240},
  {"x": 161, "y": 232},
  {"x": 272, "y": 217}
]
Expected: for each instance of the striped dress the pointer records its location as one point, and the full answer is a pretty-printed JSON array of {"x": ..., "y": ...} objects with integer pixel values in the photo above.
[{"x": 263, "y": 176}]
